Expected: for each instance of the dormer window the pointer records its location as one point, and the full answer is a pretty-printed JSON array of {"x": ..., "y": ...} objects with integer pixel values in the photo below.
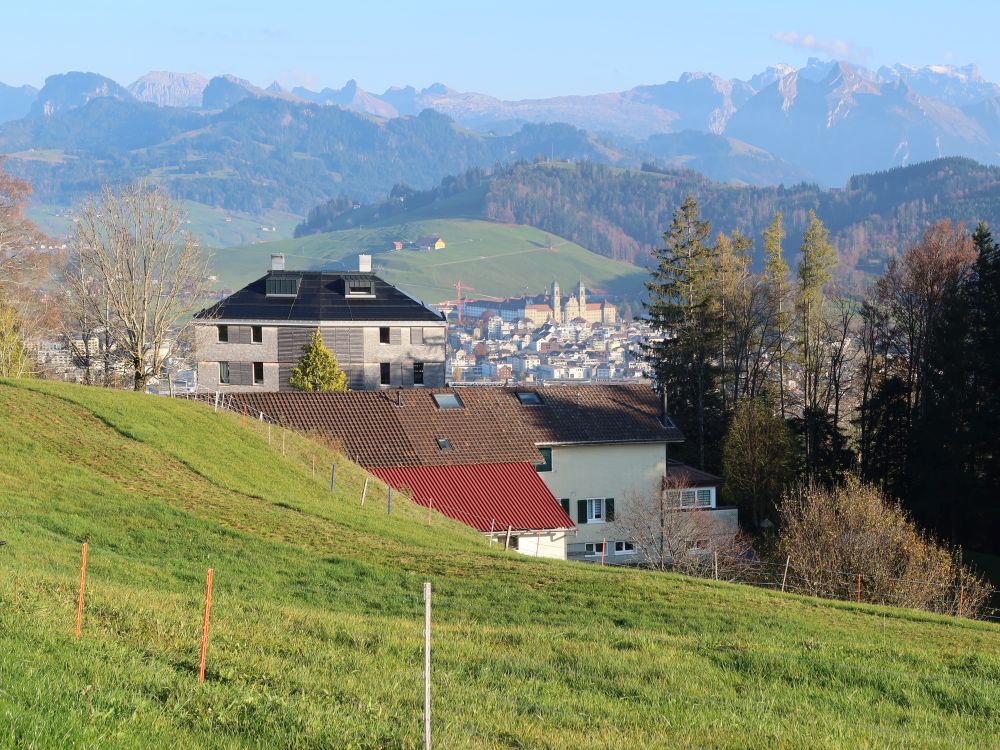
[
  {"x": 282, "y": 284},
  {"x": 359, "y": 286}
]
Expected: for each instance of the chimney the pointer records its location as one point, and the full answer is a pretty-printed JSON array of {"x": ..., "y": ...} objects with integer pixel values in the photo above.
[
  {"x": 365, "y": 263},
  {"x": 277, "y": 261}
]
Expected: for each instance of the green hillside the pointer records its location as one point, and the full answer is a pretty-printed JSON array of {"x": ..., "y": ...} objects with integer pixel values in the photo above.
[
  {"x": 316, "y": 620},
  {"x": 622, "y": 213},
  {"x": 495, "y": 259},
  {"x": 214, "y": 227}
]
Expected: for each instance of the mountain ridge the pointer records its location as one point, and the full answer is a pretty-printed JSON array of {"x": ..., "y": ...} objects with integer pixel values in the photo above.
[
  {"x": 822, "y": 122},
  {"x": 621, "y": 214}
]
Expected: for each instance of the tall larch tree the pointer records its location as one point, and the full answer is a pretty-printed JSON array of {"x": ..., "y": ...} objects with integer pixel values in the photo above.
[
  {"x": 815, "y": 272},
  {"x": 776, "y": 272}
]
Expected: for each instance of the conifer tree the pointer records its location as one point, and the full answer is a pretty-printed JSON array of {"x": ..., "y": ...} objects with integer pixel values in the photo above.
[
  {"x": 815, "y": 272},
  {"x": 683, "y": 309},
  {"x": 734, "y": 295},
  {"x": 317, "y": 370},
  {"x": 757, "y": 459},
  {"x": 14, "y": 359},
  {"x": 776, "y": 272}
]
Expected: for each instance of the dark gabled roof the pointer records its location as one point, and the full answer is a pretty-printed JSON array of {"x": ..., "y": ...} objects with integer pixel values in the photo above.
[
  {"x": 320, "y": 297},
  {"x": 689, "y": 476},
  {"x": 401, "y": 428}
]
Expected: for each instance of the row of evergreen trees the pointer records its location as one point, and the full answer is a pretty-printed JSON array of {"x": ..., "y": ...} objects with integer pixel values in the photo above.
[{"x": 777, "y": 376}]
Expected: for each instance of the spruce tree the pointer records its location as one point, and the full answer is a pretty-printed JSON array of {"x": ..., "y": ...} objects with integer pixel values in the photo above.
[
  {"x": 317, "y": 370},
  {"x": 683, "y": 310},
  {"x": 984, "y": 347}
]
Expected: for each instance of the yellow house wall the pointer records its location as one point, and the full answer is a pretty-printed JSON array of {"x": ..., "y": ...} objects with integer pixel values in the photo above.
[{"x": 619, "y": 471}]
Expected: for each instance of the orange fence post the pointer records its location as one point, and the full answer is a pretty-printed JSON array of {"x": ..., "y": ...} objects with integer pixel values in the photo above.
[
  {"x": 79, "y": 599},
  {"x": 604, "y": 547},
  {"x": 204, "y": 626},
  {"x": 859, "y": 588}
]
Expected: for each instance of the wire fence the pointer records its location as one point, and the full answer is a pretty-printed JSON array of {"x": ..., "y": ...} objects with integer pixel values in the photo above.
[
  {"x": 210, "y": 661},
  {"x": 734, "y": 564}
]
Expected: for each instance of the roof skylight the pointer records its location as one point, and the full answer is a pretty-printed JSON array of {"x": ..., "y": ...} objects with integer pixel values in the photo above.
[{"x": 447, "y": 401}]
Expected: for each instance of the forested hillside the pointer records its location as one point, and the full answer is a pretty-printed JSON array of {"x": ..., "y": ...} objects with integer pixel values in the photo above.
[
  {"x": 261, "y": 154},
  {"x": 622, "y": 213}
]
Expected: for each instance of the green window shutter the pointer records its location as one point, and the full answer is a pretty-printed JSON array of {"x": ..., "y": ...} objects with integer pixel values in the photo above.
[
  {"x": 609, "y": 509},
  {"x": 565, "y": 504},
  {"x": 581, "y": 511}
]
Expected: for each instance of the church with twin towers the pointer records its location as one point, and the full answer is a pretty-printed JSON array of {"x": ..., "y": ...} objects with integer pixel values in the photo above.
[{"x": 551, "y": 307}]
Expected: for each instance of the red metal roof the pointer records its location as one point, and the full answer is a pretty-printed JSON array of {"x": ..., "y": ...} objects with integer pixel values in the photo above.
[{"x": 480, "y": 494}]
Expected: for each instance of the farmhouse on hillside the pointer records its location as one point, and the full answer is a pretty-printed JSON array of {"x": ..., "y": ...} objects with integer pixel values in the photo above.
[
  {"x": 561, "y": 465},
  {"x": 381, "y": 336},
  {"x": 429, "y": 243}
]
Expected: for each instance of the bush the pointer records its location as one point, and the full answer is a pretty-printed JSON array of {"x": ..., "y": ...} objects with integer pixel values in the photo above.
[{"x": 832, "y": 535}]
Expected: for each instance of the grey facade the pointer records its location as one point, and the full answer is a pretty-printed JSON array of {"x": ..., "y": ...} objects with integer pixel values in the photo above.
[{"x": 381, "y": 337}]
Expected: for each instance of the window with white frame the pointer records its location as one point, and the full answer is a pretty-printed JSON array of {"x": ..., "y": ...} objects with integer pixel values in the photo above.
[
  {"x": 691, "y": 498},
  {"x": 595, "y": 510},
  {"x": 592, "y": 549},
  {"x": 624, "y": 548}
]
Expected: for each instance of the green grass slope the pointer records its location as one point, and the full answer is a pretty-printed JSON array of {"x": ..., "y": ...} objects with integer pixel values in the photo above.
[
  {"x": 208, "y": 223},
  {"x": 316, "y": 621},
  {"x": 495, "y": 259}
]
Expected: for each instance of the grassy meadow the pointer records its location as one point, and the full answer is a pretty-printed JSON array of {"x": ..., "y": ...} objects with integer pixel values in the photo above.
[
  {"x": 317, "y": 615},
  {"x": 214, "y": 227},
  {"x": 495, "y": 259}
]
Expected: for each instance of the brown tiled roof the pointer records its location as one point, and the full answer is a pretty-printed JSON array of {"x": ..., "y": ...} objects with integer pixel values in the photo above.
[{"x": 401, "y": 427}]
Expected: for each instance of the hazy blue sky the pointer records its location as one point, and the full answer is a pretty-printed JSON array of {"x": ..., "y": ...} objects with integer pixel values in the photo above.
[{"x": 508, "y": 48}]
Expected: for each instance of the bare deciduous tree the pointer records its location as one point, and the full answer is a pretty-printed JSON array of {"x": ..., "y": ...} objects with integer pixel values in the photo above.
[
  {"x": 687, "y": 540},
  {"x": 141, "y": 273},
  {"x": 85, "y": 313}
]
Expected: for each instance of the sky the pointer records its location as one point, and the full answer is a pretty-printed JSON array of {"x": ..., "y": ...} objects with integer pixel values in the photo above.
[{"x": 512, "y": 48}]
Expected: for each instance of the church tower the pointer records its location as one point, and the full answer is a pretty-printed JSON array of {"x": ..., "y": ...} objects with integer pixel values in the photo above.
[
  {"x": 581, "y": 296},
  {"x": 556, "y": 303}
]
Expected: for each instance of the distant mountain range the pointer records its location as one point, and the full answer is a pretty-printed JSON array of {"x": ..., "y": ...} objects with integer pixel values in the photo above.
[{"x": 821, "y": 123}]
